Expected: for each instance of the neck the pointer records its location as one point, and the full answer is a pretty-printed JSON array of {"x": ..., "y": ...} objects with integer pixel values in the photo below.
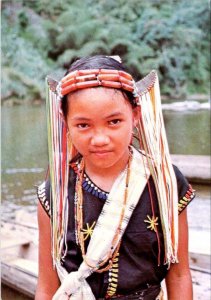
[{"x": 104, "y": 177}]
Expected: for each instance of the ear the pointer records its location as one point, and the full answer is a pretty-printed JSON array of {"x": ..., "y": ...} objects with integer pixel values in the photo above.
[{"x": 136, "y": 115}]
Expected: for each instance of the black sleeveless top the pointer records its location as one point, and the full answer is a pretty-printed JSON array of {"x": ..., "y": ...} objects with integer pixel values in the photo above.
[{"x": 136, "y": 266}]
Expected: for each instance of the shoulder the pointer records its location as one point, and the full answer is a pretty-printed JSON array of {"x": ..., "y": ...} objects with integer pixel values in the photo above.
[
  {"x": 44, "y": 190},
  {"x": 182, "y": 183},
  {"x": 185, "y": 191}
]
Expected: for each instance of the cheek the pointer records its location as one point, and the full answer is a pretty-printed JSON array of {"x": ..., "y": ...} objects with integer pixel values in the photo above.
[
  {"x": 75, "y": 137},
  {"x": 125, "y": 135},
  {"x": 81, "y": 141}
]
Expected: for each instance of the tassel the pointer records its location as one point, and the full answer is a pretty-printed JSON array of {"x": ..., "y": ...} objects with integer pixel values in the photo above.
[
  {"x": 153, "y": 141},
  {"x": 59, "y": 152}
]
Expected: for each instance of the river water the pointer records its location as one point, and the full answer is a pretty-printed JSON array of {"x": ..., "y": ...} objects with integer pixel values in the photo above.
[
  {"x": 25, "y": 160},
  {"x": 24, "y": 149}
]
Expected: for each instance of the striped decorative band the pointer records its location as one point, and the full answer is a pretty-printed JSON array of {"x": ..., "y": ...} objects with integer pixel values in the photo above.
[{"x": 96, "y": 77}]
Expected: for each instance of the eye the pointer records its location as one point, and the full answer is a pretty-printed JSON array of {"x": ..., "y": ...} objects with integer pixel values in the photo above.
[
  {"x": 114, "y": 122},
  {"x": 82, "y": 125}
]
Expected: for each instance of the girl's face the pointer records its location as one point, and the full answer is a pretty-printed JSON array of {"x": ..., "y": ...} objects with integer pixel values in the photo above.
[{"x": 101, "y": 121}]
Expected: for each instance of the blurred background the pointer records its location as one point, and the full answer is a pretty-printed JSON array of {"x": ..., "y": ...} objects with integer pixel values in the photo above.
[{"x": 43, "y": 37}]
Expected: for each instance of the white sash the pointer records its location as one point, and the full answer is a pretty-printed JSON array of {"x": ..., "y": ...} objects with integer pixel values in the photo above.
[{"x": 75, "y": 283}]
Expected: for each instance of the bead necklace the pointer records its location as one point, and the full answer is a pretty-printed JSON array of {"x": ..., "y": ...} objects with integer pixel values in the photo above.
[
  {"x": 79, "y": 220},
  {"x": 91, "y": 188}
]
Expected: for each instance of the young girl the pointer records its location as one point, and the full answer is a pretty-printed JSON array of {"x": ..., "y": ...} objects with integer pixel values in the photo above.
[{"x": 108, "y": 216}]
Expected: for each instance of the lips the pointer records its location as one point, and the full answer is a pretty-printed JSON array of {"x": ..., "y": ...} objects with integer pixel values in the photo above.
[{"x": 100, "y": 152}]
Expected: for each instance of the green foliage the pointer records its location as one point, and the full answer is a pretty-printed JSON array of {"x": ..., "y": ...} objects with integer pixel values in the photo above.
[
  {"x": 42, "y": 37},
  {"x": 24, "y": 65}
]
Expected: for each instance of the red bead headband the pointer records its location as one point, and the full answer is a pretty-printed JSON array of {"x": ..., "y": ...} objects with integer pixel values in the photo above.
[{"x": 81, "y": 79}]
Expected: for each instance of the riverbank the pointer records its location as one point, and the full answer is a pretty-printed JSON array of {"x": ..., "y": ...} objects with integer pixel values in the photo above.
[{"x": 196, "y": 168}]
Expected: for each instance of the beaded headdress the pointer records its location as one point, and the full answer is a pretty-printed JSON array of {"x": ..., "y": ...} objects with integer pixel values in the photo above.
[{"x": 153, "y": 144}]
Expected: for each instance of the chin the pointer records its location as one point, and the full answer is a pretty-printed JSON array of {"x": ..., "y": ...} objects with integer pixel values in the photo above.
[{"x": 101, "y": 162}]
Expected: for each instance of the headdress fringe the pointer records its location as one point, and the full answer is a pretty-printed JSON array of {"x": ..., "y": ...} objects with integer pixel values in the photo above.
[
  {"x": 153, "y": 142},
  {"x": 60, "y": 151}
]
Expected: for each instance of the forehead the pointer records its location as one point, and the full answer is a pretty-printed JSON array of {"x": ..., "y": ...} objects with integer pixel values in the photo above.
[
  {"x": 97, "y": 102},
  {"x": 97, "y": 92}
]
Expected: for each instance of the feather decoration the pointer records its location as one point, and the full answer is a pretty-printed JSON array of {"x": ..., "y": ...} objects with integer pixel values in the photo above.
[{"x": 153, "y": 141}]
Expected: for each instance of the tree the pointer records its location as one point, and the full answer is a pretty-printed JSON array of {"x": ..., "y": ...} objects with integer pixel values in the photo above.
[{"x": 42, "y": 37}]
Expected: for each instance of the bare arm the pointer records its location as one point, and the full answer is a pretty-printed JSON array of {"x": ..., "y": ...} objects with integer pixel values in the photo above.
[
  {"x": 178, "y": 280},
  {"x": 48, "y": 281}
]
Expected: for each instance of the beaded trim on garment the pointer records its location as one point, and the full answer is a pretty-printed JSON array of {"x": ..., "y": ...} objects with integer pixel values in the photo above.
[
  {"x": 41, "y": 193},
  {"x": 113, "y": 278},
  {"x": 89, "y": 186},
  {"x": 186, "y": 199}
]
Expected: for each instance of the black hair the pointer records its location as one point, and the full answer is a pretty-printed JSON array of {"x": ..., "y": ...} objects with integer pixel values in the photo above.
[{"x": 97, "y": 62}]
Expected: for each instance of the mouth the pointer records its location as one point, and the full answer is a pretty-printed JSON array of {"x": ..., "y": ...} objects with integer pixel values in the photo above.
[{"x": 101, "y": 152}]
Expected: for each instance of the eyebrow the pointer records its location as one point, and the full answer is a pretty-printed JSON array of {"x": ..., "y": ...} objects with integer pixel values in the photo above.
[{"x": 115, "y": 114}]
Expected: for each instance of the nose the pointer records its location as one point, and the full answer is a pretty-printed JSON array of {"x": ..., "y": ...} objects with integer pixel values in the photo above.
[{"x": 100, "y": 139}]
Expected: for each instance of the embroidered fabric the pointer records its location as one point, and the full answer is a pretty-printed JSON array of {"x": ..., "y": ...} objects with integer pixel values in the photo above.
[
  {"x": 75, "y": 283},
  {"x": 129, "y": 246},
  {"x": 146, "y": 293},
  {"x": 185, "y": 200},
  {"x": 44, "y": 200},
  {"x": 92, "y": 188}
]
